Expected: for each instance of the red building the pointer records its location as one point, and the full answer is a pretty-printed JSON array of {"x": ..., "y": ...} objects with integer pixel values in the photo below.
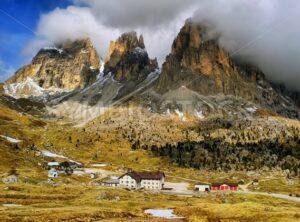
[{"x": 224, "y": 186}]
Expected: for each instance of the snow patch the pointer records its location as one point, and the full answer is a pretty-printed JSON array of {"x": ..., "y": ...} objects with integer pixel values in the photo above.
[
  {"x": 28, "y": 85},
  {"x": 180, "y": 114},
  {"x": 54, "y": 155},
  {"x": 199, "y": 114},
  {"x": 12, "y": 205},
  {"x": 11, "y": 139},
  {"x": 251, "y": 109},
  {"x": 102, "y": 66},
  {"x": 139, "y": 50},
  {"x": 168, "y": 112},
  {"x": 83, "y": 51},
  {"x": 99, "y": 165},
  {"x": 54, "y": 48}
]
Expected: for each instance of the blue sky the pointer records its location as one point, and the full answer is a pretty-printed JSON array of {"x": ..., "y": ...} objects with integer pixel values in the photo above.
[{"x": 14, "y": 36}]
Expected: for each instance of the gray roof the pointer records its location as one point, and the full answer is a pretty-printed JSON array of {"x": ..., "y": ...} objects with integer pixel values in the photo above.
[
  {"x": 203, "y": 184},
  {"x": 111, "y": 181}
]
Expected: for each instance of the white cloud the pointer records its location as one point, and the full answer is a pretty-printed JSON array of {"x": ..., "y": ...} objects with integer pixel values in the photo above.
[
  {"x": 138, "y": 13},
  {"x": 78, "y": 22},
  {"x": 70, "y": 24}
]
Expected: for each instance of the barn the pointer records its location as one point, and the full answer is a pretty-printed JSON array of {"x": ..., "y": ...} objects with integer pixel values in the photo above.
[{"x": 224, "y": 186}]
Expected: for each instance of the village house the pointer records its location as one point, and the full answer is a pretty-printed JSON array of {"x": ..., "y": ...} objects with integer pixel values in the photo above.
[
  {"x": 52, "y": 173},
  {"x": 202, "y": 187},
  {"x": 224, "y": 186},
  {"x": 145, "y": 180},
  {"x": 255, "y": 182}
]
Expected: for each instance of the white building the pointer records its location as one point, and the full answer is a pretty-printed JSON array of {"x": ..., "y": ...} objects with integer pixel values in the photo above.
[
  {"x": 146, "y": 180},
  {"x": 52, "y": 173},
  {"x": 202, "y": 187}
]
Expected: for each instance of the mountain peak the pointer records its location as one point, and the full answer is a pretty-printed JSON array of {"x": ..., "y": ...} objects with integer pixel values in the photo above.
[
  {"x": 127, "y": 42},
  {"x": 69, "y": 65},
  {"x": 195, "y": 59},
  {"x": 190, "y": 36},
  {"x": 128, "y": 59}
]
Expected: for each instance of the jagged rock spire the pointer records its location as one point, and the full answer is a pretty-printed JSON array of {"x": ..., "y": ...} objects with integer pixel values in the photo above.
[{"x": 127, "y": 58}]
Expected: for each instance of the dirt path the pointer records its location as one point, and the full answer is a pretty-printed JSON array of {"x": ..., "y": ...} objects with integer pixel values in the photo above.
[
  {"x": 177, "y": 187},
  {"x": 245, "y": 186},
  {"x": 276, "y": 195}
]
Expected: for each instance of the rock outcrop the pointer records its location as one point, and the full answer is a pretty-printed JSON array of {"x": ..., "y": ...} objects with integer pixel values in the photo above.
[
  {"x": 128, "y": 60},
  {"x": 72, "y": 65},
  {"x": 1, "y": 88}
]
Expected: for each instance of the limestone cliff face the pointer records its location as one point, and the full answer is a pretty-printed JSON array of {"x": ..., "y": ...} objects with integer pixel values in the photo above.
[
  {"x": 128, "y": 60},
  {"x": 199, "y": 64},
  {"x": 69, "y": 66},
  {"x": 202, "y": 65}
]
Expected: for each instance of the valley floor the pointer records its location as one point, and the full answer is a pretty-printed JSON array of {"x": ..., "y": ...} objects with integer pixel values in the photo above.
[{"x": 92, "y": 203}]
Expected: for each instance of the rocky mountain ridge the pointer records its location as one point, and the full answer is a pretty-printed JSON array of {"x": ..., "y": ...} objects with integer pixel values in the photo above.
[
  {"x": 197, "y": 71},
  {"x": 69, "y": 66}
]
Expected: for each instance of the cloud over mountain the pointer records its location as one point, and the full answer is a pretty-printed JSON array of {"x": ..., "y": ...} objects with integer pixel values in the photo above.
[
  {"x": 262, "y": 32},
  {"x": 137, "y": 14}
]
